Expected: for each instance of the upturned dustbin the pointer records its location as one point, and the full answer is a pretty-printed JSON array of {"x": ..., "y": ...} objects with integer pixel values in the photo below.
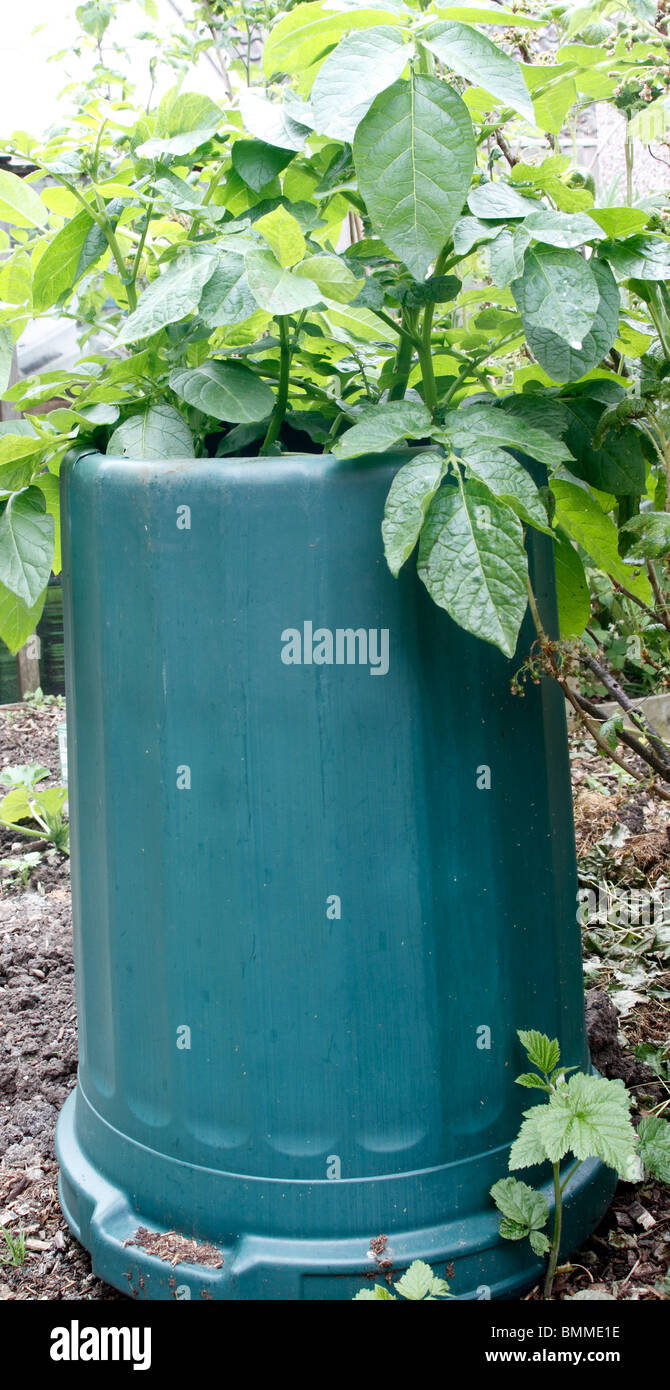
[{"x": 323, "y": 869}]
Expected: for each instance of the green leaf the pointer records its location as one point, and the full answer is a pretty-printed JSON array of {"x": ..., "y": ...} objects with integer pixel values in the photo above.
[
  {"x": 49, "y": 486},
  {"x": 19, "y": 204},
  {"x": 640, "y": 257},
  {"x": 283, "y": 235},
  {"x": 562, "y": 229},
  {"x": 332, "y": 276},
  {"x": 409, "y": 498},
  {"x": 654, "y": 1146},
  {"x": 67, "y": 257},
  {"x": 18, "y": 620},
  {"x": 508, "y": 480},
  {"x": 277, "y": 290},
  {"x": 474, "y": 56},
  {"x": 184, "y": 121},
  {"x": 651, "y": 534},
  {"x": 469, "y": 232},
  {"x": 156, "y": 433},
  {"x": 173, "y": 295},
  {"x": 531, "y": 1081},
  {"x": 373, "y": 1295},
  {"x": 227, "y": 297},
  {"x": 6, "y": 356},
  {"x": 258, "y": 163},
  {"x": 362, "y": 66},
  {"x": 579, "y": 514},
  {"x": 414, "y": 154},
  {"x": 381, "y": 426},
  {"x": 619, "y": 465},
  {"x": 557, "y": 292},
  {"x": 271, "y": 121},
  {"x": 528, "y": 1148},
  {"x": 564, "y": 363},
  {"x": 499, "y": 202},
  {"x": 487, "y": 427},
  {"x": 572, "y": 590},
  {"x": 473, "y": 563},
  {"x": 418, "y": 1282},
  {"x": 589, "y": 1117},
  {"x": 310, "y": 30},
  {"x": 506, "y": 255},
  {"x": 620, "y": 222},
  {"x": 543, "y": 1052},
  {"x": 26, "y": 545},
  {"x": 227, "y": 390},
  {"x": 539, "y": 1242},
  {"x": 524, "y": 1210}
]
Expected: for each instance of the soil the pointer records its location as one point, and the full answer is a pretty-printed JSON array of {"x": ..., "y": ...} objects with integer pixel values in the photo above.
[{"x": 628, "y": 1257}]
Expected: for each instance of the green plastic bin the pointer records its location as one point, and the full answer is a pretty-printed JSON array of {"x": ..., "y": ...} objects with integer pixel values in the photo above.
[{"x": 323, "y": 869}]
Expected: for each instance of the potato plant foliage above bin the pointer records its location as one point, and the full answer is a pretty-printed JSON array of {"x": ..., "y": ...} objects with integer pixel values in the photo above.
[{"x": 487, "y": 312}]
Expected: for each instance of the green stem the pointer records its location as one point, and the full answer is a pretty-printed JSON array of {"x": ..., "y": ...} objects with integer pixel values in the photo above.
[
  {"x": 402, "y": 368},
  {"x": 277, "y": 417},
  {"x": 630, "y": 155},
  {"x": 556, "y": 1237}
]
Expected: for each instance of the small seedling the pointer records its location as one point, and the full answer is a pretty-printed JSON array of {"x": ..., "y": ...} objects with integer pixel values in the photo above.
[
  {"x": 23, "y": 775},
  {"x": 585, "y": 1116},
  {"x": 21, "y": 867},
  {"x": 38, "y": 698},
  {"x": 417, "y": 1284},
  {"x": 15, "y": 1248}
]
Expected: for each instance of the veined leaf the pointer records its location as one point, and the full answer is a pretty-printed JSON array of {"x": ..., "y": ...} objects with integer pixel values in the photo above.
[
  {"x": 26, "y": 545},
  {"x": 470, "y": 231},
  {"x": 618, "y": 466},
  {"x": 173, "y": 295},
  {"x": 508, "y": 480},
  {"x": 474, "y": 56},
  {"x": 588, "y": 1116},
  {"x": 283, "y": 235},
  {"x": 572, "y": 590},
  {"x": 184, "y": 120},
  {"x": 473, "y": 563},
  {"x": 506, "y": 255},
  {"x": 227, "y": 390},
  {"x": 301, "y": 36},
  {"x": 409, "y": 498},
  {"x": 650, "y": 533},
  {"x": 522, "y": 1208},
  {"x": 156, "y": 433},
  {"x": 276, "y": 289},
  {"x": 557, "y": 292},
  {"x": 18, "y": 620},
  {"x": 73, "y": 250},
  {"x": 499, "y": 202},
  {"x": 226, "y": 297},
  {"x": 482, "y": 426},
  {"x": 562, "y": 229},
  {"x": 561, "y": 361},
  {"x": 579, "y": 514},
  {"x": 20, "y": 205},
  {"x": 334, "y": 279},
  {"x": 257, "y": 163},
  {"x": 271, "y": 121},
  {"x": 543, "y": 1052},
  {"x": 362, "y": 65},
  {"x": 639, "y": 257},
  {"x": 654, "y": 1141},
  {"x": 414, "y": 154},
  {"x": 6, "y": 356},
  {"x": 382, "y": 426},
  {"x": 620, "y": 221}
]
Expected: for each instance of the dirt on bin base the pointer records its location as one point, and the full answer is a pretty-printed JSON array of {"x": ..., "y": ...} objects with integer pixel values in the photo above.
[{"x": 176, "y": 1249}]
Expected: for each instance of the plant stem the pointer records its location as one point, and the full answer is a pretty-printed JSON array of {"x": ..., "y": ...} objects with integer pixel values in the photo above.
[
  {"x": 556, "y": 1238},
  {"x": 402, "y": 368},
  {"x": 277, "y": 417},
  {"x": 630, "y": 155}
]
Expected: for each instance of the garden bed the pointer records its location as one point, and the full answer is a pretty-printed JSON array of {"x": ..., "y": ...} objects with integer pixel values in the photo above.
[{"x": 623, "y": 842}]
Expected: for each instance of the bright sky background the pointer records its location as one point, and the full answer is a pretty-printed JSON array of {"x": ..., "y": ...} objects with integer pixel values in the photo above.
[{"x": 30, "y": 84}]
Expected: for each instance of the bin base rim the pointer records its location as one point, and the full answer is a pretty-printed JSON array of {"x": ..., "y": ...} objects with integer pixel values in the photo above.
[{"x": 103, "y": 1218}]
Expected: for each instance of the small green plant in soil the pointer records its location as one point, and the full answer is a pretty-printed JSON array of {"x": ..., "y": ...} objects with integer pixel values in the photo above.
[
  {"x": 14, "y": 1252},
  {"x": 585, "y": 1116},
  {"x": 20, "y": 867},
  {"x": 44, "y": 807},
  {"x": 418, "y": 1285}
]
